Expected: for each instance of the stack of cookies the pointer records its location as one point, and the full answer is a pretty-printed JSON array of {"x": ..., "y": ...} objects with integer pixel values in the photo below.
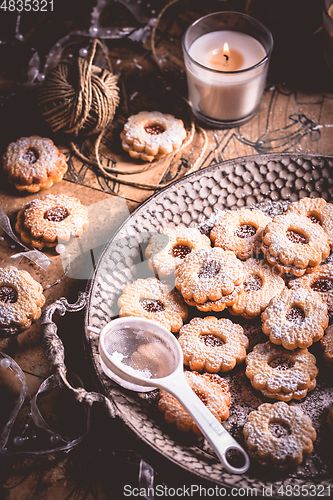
[{"x": 273, "y": 267}]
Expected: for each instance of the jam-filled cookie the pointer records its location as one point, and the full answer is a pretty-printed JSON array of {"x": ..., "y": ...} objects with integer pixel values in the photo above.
[
  {"x": 327, "y": 344},
  {"x": 294, "y": 244},
  {"x": 213, "y": 392},
  {"x": 295, "y": 318},
  {"x": 279, "y": 373},
  {"x": 213, "y": 345},
  {"x": 210, "y": 279},
  {"x": 46, "y": 221},
  {"x": 261, "y": 284},
  {"x": 280, "y": 434},
  {"x": 34, "y": 163},
  {"x": 321, "y": 281},
  {"x": 168, "y": 249},
  {"x": 151, "y": 135},
  {"x": 240, "y": 231},
  {"x": 317, "y": 210},
  {"x": 21, "y": 298},
  {"x": 153, "y": 300}
]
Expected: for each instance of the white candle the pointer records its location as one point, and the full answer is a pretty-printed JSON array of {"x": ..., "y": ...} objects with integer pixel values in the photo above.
[{"x": 226, "y": 73}]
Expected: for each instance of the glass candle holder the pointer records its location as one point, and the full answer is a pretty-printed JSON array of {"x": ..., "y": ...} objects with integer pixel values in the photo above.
[
  {"x": 328, "y": 32},
  {"x": 226, "y": 57}
]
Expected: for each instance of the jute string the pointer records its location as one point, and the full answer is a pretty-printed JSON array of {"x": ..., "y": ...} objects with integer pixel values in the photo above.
[{"x": 97, "y": 99}]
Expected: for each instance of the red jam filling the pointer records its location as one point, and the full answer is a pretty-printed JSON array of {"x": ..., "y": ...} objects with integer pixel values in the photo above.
[
  {"x": 8, "y": 295},
  {"x": 281, "y": 363},
  {"x": 30, "y": 156},
  {"x": 56, "y": 214},
  {"x": 152, "y": 305},
  {"x": 154, "y": 129},
  {"x": 252, "y": 284},
  {"x": 314, "y": 218},
  {"x": 209, "y": 269},
  {"x": 296, "y": 237},
  {"x": 245, "y": 231},
  {"x": 211, "y": 340},
  {"x": 322, "y": 285},
  {"x": 181, "y": 251},
  {"x": 279, "y": 429},
  {"x": 295, "y": 315}
]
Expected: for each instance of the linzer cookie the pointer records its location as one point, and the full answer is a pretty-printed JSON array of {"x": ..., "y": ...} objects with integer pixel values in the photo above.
[
  {"x": 33, "y": 163},
  {"x": 295, "y": 318},
  {"x": 294, "y": 244},
  {"x": 21, "y": 298},
  {"x": 261, "y": 284},
  {"x": 210, "y": 279},
  {"x": 279, "y": 373},
  {"x": 317, "y": 210},
  {"x": 168, "y": 249},
  {"x": 213, "y": 392},
  {"x": 321, "y": 281},
  {"x": 151, "y": 135},
  {"x": 240, "y": 231},
  {"x": 45, "y": 221},
  {"x": 327, "y": 344},
  {"x": 213, "y": 345},
  {"x": 279, "y": 434},
  {"x": 153, "y": 300}
]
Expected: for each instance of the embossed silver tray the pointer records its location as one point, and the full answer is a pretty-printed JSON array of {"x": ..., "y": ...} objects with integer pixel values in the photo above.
[{"x": 267, "y": 181}]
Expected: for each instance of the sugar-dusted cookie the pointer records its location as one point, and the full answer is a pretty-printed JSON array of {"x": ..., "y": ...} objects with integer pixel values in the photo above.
[
  {"x": 280, "y": 434},
  {"x": 321, "y": 281},
  {"x": 45, "y": 221},
  {"x": 280, "y": 373},
  {"x": 210, "y": 279},
  {"x": 151, "y": 135},
  {"x": 240, "y": 231},
  {"x": 327, "y": 344},
  {"x": 21, "y": 298},
  {"x": 213, "y": 392},
  {"x": 316, "y": 209},
  {"x": 294, "y": 244},
  {"x": 153, "y": 300},
  {"x": 168, "y": 249},
  {"x": 34, "y": 163},
  {"x": 261, "y": 284},
  {"x": 213, "y": 345},
  {"x": 295, "y": 318}
]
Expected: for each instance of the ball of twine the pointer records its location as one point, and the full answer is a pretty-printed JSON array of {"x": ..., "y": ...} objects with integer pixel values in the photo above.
[{"x": 78, "y": 97}]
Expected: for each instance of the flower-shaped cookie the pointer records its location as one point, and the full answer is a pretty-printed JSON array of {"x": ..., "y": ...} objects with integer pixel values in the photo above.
[
  {"x": 33, "y": 163},
  {"x": 168, "y": 249},
  {"x": 261, "y": 284},
  {"x": 213, "y": 345},
  {"x": 213, "y": 392},
  {"x": 280, "y": 434},
  {"x": 279, "y": 373},
  {"x": 210, "y": 279},
  {"x": 295, "y": 244},
  {"x": 295, "y": 318},
  {"x": 52, "y": 218},
  {"x": 316, "y": 209},
  {"x": 327, "y": 344},
  {"x": 321, "y": 281},
  {"x": 21, "y": 298},
  {"x": 153, "y": 300},
  {"x": 240, "y": 231},
  {"x": 151, "y": 135}
]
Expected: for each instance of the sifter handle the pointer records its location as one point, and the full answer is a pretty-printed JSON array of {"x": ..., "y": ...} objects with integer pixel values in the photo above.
[{"x": 218, "y": 437}]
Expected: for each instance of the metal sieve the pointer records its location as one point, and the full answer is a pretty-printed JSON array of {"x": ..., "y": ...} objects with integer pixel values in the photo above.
[{"x": 143, "y": 353}]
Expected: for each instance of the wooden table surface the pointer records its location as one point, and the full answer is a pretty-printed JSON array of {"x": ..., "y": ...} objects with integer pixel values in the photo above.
[{"x": 296, "y": 115}]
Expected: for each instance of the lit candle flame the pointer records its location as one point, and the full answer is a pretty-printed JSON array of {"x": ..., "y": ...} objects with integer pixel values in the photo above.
[{"x": 226, "y": 52}]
